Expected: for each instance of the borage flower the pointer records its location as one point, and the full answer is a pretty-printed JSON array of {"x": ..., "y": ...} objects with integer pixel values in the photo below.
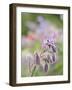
[{"x": 49, "y": 54}]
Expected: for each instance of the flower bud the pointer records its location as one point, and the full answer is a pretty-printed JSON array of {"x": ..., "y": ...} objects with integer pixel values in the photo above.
[
  {"x": 53, "y": 58},
  {"x": 37, "y": 58},
  {"x": 54, "y": 49},
  {"x": 46, "y": 67}
]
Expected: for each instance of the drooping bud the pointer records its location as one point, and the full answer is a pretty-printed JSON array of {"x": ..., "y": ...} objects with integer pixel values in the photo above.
[
  {"x": 53, "y": 58},
  {"x": 54, "y": 48},
  {"x": 46, "y": 67},
  {"x": 37, "y": 58}
]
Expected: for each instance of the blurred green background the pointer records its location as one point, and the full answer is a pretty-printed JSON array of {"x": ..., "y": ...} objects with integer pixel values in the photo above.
[{"x": 55, "y": 19}]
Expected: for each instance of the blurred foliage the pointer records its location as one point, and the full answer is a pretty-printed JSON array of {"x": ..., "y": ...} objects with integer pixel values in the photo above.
[
  {"x": 36, "y": 46},
  {"x": 53, "y": 18}
]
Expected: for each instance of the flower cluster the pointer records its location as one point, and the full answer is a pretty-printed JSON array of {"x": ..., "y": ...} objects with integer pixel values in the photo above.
[{"x": 48, "y": 55}]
